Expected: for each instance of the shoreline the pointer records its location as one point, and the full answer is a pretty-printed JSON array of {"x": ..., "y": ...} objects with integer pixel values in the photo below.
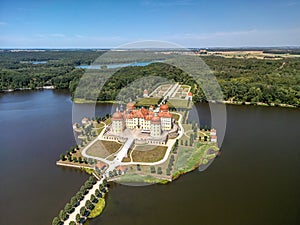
[
  {"x": 84, "y": 101},
  {"x": 28, "y": 89},
  {"x": 282, "y": 105}
]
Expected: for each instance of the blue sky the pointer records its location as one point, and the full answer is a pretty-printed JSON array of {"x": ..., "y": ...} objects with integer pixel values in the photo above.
[{"x": 190, "y": 23}]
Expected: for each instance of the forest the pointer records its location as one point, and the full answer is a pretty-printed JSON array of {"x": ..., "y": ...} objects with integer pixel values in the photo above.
[{"x": 241, "y": 80}]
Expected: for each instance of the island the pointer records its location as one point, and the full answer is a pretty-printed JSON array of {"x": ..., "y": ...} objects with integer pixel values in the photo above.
[{"x": 144, "y": 142}]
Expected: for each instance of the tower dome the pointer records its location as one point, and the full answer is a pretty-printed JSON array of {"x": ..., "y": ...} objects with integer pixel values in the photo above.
[
  {"x": 117, "y": 116},
  {"x": 164, "y": 108},
  {"x": 130, "y": 105},
  {"x": 155, "y": 120}
]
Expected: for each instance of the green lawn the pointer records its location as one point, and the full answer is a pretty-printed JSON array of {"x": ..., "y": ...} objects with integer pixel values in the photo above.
[
  {"x": 137, "y": 178},
  {"x": 190, "y": 158},
  {"x": 98, "y": 208},
  {"x": 147, "y": 102},
  {"x": 175, "y": 116},
  {"x": 179, "y": 103}
]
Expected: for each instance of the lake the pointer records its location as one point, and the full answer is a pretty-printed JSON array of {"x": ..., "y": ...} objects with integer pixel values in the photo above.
[
  {"x": 254, "y": 181},
  {"x": 118, "y": 65}
]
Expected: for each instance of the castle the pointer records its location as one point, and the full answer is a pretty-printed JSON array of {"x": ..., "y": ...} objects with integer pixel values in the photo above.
[{"x": 152, "y": 121}]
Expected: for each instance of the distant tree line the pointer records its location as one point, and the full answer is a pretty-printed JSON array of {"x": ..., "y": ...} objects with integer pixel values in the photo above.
[{"x": 243, "y": 80}]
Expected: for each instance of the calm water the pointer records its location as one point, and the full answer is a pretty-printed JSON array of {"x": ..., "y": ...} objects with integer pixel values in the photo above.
[
  {"x": 255, "y": 181},
  {"x": 117, "y": 65}
]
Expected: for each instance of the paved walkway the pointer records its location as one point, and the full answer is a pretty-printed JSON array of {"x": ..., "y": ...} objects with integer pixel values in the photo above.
[
  {"x": 72, "y": 216},
  {"x": 123, "y": 152}
]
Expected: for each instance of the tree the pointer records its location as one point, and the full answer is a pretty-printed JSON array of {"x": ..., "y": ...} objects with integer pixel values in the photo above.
[
  {"x": 88, "y": 204},
  {"x": 62, "y": 157},
  {"x": 97, "y": 193},
  {"x": 93, "y": 197},
  {"x": 152, "y": 169},
  {"x": 68, "y": 207},
  {"x": 159, "y": 171},
  {"x": 74, "y": 200},
  {"x": 78, "y": 217},
  {"x": 56, "y": 221},
  {"x": 82, "y": 210},
  {"x": 105, "y": 182},
  {"x": 63, "y": 215},
  {"x": 72, "y": 223}
]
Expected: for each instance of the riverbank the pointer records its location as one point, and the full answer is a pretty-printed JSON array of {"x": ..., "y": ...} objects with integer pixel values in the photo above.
[
  {"x": 29, "y": 89},
  {"x": 256, "y": 104},
  {"x": 83, "y": 101}
]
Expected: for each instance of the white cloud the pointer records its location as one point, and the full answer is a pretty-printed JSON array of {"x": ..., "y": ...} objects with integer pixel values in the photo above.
[
  {"x": 56, "y": 35},
  {"x": 239, "y": 38}
]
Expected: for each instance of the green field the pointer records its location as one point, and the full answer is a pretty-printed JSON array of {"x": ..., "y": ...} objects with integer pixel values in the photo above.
[
  {"x": 190, "y": 158},
  {"x": 178, "y": 103},
  {"x": 147, "y": 102},
  {"x": 137, "y": 178}
]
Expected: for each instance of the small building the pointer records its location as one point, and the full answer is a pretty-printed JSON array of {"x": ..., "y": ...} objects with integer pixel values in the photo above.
[
  {"x": 190, "y": 96},
  {"x": 75, "y": 126},
  {"x": 85, "y": 120},
  {"x": 121, "y": 170},
  {"x": 101, "y": 166},
  {"x": 213, "y": 132},
  {"x": 146, "y": 93},
  {"x": 213, "y": 138}
]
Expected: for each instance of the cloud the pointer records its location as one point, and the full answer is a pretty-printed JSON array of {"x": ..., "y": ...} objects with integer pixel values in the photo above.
[
  {"x": 206, "y": 36},
  {"x": 57, "y": 35},
  {"x": 3, "y": 23},
  {"x": 254, "y": 37},
  {"x": 292, "y": 4}
]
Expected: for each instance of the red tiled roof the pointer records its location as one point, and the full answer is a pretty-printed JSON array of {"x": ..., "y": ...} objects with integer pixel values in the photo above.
[
  {"x": 130, "y": 105},
  {"x": 164, "y": 107},
  {"x": 100, "y": 165},
  {"x": 155, "y": 120},
  {"x": 165, "y": 114},
  {"x": 122, "y": 168}
]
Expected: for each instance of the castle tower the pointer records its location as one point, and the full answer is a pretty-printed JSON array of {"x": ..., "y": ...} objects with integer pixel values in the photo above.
[
  {"x": 118, "y": 123},
  {"x": 155, "y": 126}
]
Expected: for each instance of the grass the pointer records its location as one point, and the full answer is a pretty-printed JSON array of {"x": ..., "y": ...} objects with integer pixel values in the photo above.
[
  {"x": 98, "y": 208},
  {"x": 88, "y": 171},
  {"x": 103, "y": 149},
  {"x": 148, "y": 153},
  {"x": 107, "y": 121},
  {"x": 189, "y": 159},
  {"x": 84, "y": 101},
  {"x": 147, "y": 102},
  {"x": 185, "y": 86},
  {"x": 179, "y": 103},
  {"x": 137, "y": 178},
  {"x": 175, "y": 116}
]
